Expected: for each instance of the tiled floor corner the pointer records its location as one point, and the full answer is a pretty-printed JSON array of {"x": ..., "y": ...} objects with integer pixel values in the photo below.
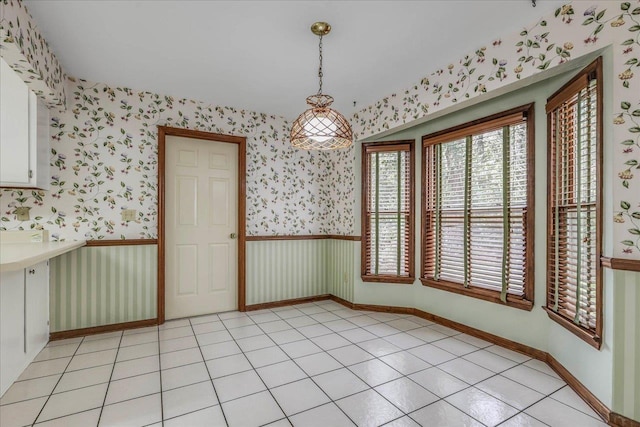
[{"x": 315, "y": 364}]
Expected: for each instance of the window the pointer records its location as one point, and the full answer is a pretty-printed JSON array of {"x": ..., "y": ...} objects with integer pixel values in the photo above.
[
  {"x": 387, "y": 212},
  {"x": 574, "y": 116},
  {"x": 478, "y": 195}
]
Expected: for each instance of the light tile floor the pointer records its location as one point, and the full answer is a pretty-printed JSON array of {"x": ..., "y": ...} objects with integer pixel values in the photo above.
[{"x": 315, "y": 364}]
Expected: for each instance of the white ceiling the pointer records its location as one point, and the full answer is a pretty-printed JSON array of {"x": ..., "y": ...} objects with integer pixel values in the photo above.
[{"x": 261, "y": 56}]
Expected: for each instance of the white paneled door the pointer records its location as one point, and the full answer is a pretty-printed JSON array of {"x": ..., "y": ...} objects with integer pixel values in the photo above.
[{"x": 201, "y": 200}]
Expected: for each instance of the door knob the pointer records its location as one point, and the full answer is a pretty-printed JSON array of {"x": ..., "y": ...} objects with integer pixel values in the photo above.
[{"x": 233, "y": 235}]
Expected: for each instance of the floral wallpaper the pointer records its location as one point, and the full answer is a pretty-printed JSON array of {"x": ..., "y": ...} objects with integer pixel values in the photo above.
[
  {"x": 104, "y": 142},
  {"x": 339, "y": 202},
  {"x": 104, "y": 154},
  {"x": 104, "y": 160},
  {"x": 574, "y": 30},
  {"x": 28, "y": 53}
]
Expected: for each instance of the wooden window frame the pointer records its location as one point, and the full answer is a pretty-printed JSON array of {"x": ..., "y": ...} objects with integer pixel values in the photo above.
[
  {"x": 524, "y": 302},
  {"x": 593, "y": 70},
  {"x": 388, "y": 146}
]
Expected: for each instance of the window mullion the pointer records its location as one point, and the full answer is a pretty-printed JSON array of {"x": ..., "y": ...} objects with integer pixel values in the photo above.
[
  {"x": 590, "y": 198},
  {"x": 377, "y": 263},
  {"x": 506, "y": 141},
  {"x": 398, "y": 209},
  {"x": 467, "y": 203},
  {"x": 438, "y": 213},
  {"x": 578, "y": 185},
  {"x": 557, "y": 166}
]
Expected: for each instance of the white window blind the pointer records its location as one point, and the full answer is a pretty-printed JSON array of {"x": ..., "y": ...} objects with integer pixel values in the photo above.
[{"x": 573, "y": 281}]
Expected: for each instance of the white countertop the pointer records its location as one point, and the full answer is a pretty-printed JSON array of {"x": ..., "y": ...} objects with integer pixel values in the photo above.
[{"x": 16, "y": 256}]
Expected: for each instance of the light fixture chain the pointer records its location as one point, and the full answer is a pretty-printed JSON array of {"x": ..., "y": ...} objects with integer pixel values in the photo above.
[
  {"x": 320, "y": 68},
  {"x": 320, "y": 127}
]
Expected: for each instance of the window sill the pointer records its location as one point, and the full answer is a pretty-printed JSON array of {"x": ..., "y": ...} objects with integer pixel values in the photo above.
[
  {"x": 479, "y": 293},
  {"x": 396, "y": 280},
  {"x": 585, "y": 335}
]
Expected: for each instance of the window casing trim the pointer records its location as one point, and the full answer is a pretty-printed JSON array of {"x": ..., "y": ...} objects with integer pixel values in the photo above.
[
  {"x": 381, "y": 147},
  {"x": 492, "y": 122},
  {"x": 592, "y": 71}
]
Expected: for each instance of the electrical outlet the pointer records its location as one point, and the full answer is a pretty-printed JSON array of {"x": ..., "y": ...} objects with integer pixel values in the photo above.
[
  {"x": 22, "y": 213},
  {"x": 129, "y": 214}
]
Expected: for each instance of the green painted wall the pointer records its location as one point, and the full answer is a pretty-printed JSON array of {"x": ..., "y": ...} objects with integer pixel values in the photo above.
[
  {"x": 626, "y": 327},
  {"x": 592, "y": 367},
  {"x": 101, "y": 285}
]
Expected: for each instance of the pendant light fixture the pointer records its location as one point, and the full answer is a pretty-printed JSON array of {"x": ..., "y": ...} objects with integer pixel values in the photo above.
[{"x": 321, "y": 127}]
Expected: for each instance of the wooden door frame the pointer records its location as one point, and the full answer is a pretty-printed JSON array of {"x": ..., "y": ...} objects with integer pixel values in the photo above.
[{"x": 241, "y": 142}]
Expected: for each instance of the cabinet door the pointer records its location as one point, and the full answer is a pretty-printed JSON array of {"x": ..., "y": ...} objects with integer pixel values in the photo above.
[
  {"x": 12, "y": 344},
  {"x": 37, "y": 308},
  {"x": 42, "y": 145},
  {"x": 14, "y": 127}
]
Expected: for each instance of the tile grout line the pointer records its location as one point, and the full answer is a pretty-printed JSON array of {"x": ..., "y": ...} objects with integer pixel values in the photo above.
[
  {"x": 579, "y": 410},
  {"x": 407, "y": 349},
  {"x": 190, "y": 412},
  {"x": 177, "y": 367},
  {"x": 444, "y": 398},
  {"x": 321, "y": 351},
  {"x": 548, "y": 396},
  {"x": 495, "y": 374},
  {"x": 88, "y": 352},
  {"x": 369, "y": 387},
  {"x": 406, "y": 376},
  {"x": 160, "y": 373},
  {"x": 113, "y": 368},
  {"x": 523, "y": 411},
  {"x": 58, "y": 382},
  {"x": 402, "y": 375},
  {"x": 256, "y": 372},
  {"x": 208, "y": 373},
  {"x": 432, "y": 365},
  {"x": 545, "y": 396},
  {"x": 311, "y": 377},
  {"x": 523, "y": 363}
]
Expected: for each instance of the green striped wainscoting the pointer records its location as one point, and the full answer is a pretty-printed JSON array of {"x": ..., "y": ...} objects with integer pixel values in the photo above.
[
  {"x": 286, "y": 269},
  {"x": 341, "y": 268},
  {"x": 101, "y": 285},
  {"x": 626, "y": 330},
  {"x": 278, "y": 270}
]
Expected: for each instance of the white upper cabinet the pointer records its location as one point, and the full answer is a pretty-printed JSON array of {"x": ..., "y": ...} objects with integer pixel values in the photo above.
[
  {"x": 24, "y": 134},
  {"x": 14, "y": 126}
]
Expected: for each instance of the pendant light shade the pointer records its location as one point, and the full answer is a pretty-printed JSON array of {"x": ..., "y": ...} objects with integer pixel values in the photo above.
[{"x": 321, "y": 127}]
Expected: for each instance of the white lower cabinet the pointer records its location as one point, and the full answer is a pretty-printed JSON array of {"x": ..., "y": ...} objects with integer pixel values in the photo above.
[
  {"x": 12, "y": 343},
  {"x": 37, "y": 308},
  {"x": 24, "y": 319}
]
